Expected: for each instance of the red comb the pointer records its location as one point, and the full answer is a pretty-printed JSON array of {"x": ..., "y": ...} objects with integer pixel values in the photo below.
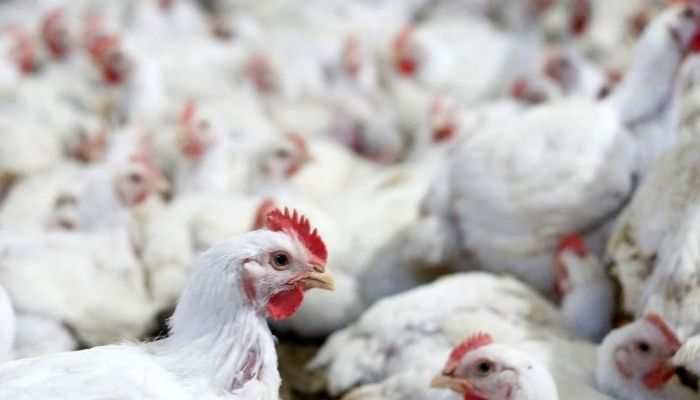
[
  {"x": 403, "y": 37},
  {"x": 50, "y": 21},
  {"x": 100, "y": 47},
  {"x": 473, "y": 342},
  {"x": 580, "y": 16},
  {"x": 187, "y": 113},
  {"x": 297, "y": 225},
  {"x": 574, "y": 243},
  {"x": 665, "y": 330}
]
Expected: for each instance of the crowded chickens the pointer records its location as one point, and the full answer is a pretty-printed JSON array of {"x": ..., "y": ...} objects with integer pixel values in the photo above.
[{"x": 496, "y": 198}]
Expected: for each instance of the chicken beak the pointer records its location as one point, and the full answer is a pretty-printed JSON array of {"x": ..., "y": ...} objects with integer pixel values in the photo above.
[
  {"x": 318, "y": 278},
  {"x": 459, "y": 385}
]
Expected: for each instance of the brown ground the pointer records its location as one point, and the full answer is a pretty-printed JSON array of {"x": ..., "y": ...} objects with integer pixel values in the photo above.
[{"x": 297, "y": 382}]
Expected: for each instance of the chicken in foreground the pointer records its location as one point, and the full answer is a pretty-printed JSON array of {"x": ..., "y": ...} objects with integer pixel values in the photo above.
[{"x": 220, "y": 345}]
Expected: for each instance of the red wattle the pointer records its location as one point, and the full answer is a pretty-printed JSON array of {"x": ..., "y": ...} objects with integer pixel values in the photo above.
[
  {"x": 444, "y": 133},
  {"x": 656, "y": 378},
  {"x": 284, "y": 304},
  {"x": 111, "y": 77},
  {"x": 406, "y": 66},
  {"x": 58, "y": 51},
  {"x": 579, "y": 24},
  {"x": 472, "y": 396}
]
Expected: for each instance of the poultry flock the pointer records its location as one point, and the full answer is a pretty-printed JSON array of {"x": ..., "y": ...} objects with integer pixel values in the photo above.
[{"x": 498, "y": 197}]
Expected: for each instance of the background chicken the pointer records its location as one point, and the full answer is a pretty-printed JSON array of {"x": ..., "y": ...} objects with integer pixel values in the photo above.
[{"x": 653, "y": 243}]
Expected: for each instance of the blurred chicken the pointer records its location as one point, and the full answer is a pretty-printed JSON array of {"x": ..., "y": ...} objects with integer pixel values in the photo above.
[
  {"x": 653, "y": 245},
  {"x": 512, "y": 191},
  {"x": 91, "y": 288},
  {"x": 410, "y": 330},
  {"x": 478, "y": 367},
  {"x": 632, "y": 363},
  {"x": 585, "y": 291}
]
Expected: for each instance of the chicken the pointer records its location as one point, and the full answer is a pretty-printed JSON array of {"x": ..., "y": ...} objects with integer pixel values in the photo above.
[
  {"x": 568, "y": 166},
  {"x": 219, "y": 325},
  {"x": 7, "y": 326},
  {"x": 686, "y": 358},
  {"x": 575, "y": 74},
  {"x": 645, "y": 374},
  {"x": 26, "y": 146},
  {"x": 204, "y": 152},
  {"x": 121, "y": 193},
  {"x": 410, "y": 329},
  {"x": 92, "y": 286},
  {"x": 585, "y": 291},
  {"x": 653, "y": 245},
  {"x": 634, "y": 361},
  {"x": 422, "y": 60},
  {"x": 133, "y": 83},
  {"x": 480, "y": 368},
  {"x": 44, "y": 201}
]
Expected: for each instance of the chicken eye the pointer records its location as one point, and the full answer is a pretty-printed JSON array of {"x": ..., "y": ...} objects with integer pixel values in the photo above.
[
  {"x": 281, "y": 153},
  {"x": 280, "y": 260},
  {"x": 135, "y": 178},
  {"x": 643, "y": 347},
  {"x": 484, "y": 368},
  {"x": 688, "y": 12}
]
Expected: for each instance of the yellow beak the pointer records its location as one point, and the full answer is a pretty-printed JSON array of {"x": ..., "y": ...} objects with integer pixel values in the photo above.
[
  {"x": 459, "y": 385},
  {"x": 320, "y": 279}
]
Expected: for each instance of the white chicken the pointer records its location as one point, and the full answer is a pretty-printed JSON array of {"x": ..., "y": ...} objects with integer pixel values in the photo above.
[
  {"x": 480, "y": 368},
  {"x": 91, "y": 287},
  {"x": 585, "y": 291},
  {"x": 514, "y": 190},
  {"x": 393, "y": 335},
  {"x": 654, "y": 244},
  {"x": 219, "y": 325},
  {"x": 204, "y": 153},
  {"x": 403, "y": 357}
]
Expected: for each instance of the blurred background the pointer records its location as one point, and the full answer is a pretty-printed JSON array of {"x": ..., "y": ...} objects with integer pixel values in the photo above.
[{"x": 135, "y": 134}]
